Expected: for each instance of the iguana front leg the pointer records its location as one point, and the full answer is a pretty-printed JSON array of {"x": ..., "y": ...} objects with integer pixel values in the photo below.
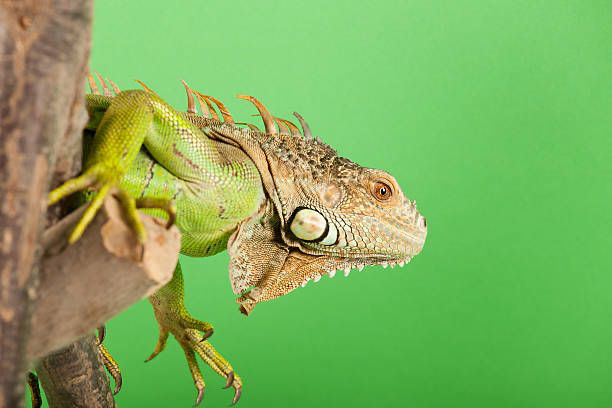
[
  {"x": 178, "y": 163},
  {"x": 119, "y": 137},
  {"x": 192, "y": 335},
  {"x": 130, "y": 120}
]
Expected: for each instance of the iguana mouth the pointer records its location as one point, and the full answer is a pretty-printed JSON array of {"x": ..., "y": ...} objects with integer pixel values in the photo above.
[
  {"x": 289, "y": 282},
  {"x": 300, "y": 268},
  {"x": 346, "y": 270}
]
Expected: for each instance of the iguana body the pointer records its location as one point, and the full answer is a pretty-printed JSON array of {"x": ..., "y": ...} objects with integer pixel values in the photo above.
[
  {"x": 213, "y": 185},
  {"x": 285, "y": 205}
]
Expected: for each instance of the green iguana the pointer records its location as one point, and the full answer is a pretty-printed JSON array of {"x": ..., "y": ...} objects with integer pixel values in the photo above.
[{"x": 287, "y": 208}]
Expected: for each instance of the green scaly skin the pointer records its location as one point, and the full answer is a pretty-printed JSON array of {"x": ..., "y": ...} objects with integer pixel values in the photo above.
[{"x": 212, "y": 185}]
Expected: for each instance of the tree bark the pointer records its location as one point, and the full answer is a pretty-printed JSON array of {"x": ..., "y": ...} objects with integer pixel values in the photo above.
[
  {"x": 44, "y": 47},
  {"x": 85, "y": 284},
  {"x": 44, "y": 50},
  {"x": 74, "y": 377}
]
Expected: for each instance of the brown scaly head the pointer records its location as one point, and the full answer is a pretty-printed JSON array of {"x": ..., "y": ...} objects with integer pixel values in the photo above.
[{"x": 323, "y": 213}]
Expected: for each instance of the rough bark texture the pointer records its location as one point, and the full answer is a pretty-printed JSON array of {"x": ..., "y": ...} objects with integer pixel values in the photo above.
[
  {"x": 114, "y": 271},
  {"x": 64, "y": 389},
  {"x": 44, "y": 47},
  {"x": 75, "y": 375}
]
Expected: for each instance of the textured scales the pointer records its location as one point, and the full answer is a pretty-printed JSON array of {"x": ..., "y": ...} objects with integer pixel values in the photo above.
[
  {"x": 299, "y": 172},
  {"x": 286, "y": 206}
]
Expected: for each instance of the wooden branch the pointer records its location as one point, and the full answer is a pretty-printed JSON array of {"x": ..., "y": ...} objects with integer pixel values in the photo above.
[
  {"x": 44, "y": 47},
  {"x": 106, "y": 270},
  {"x": 75, "y": 377}
]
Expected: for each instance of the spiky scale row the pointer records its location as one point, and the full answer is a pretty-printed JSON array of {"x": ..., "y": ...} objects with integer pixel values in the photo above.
[
  {"x": 265, "y": 115},
  {"x": 305, "y": 127},
  {"x": 94, "y": 88},
  {"x": 146, "y": 88},
  {"x": 190, "y": 99},
  {"x": 285, "y": 127},
  {"x": 292, "y": 128},
  {"x": 227, "y": 118},
  {"x": 347, "y": 270}
]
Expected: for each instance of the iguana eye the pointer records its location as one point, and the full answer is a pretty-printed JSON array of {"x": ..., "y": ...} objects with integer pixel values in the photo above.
[
  {"x": 308, "y": 225},
  {"x": 311, "y": 226},
  {"x": 382, "y": 191}
]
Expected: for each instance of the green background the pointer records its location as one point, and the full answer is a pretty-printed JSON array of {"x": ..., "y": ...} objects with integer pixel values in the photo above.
[{"x": 494, "y": 115}]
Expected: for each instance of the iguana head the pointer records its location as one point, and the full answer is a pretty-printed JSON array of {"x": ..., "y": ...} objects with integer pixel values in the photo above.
[{"x": 323, "y": 213}]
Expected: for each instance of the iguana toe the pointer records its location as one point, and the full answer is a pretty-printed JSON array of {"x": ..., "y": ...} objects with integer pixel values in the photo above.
[
  {"x": 199, "y": 397},
  {"x": 230, "y": 380},
  {"x": 194, "y": 343},
  {"x": 207, "y": 334},
  {"x": 163, "y": 204},
  {"x": 109, "y": 362},
  {"x": 103, "y": 179},
  {"x": 101, "y": 334},
  {"x": 237, "y": 395},
  {"x": 192, "y": 335},
  {"x": 129, "y": 206}
]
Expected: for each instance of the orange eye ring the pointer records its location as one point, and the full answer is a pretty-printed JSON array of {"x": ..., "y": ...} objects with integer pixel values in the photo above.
[{"x": 382, "y": 191}]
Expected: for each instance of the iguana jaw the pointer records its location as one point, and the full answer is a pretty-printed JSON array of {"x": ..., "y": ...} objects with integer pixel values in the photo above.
[
  {"x": 300, "y": 268},
  {"x": 303, "y": 264}
]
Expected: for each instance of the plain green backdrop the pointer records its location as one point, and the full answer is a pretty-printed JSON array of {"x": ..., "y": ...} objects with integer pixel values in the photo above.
[{"x": 495, "y": 116}]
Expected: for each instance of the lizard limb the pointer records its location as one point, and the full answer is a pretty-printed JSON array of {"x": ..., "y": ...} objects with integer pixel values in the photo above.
[
  {"x": 129, "y": 206},
  {"x": 173, "y": 317},
  {"x": 111, "y": 366},
  {"x": 134, "y": 118},
  {"x": 34, "y": 390},
  {"x": 162, "y": 203},
  {"x": 109, "y": 362}
]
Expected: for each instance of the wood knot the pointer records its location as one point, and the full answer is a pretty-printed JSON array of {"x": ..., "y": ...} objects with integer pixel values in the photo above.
[{"x": 25, "y": 22}]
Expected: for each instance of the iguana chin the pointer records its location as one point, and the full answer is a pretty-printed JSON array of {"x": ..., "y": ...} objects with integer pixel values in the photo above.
[{"x": 285, "y": 205}]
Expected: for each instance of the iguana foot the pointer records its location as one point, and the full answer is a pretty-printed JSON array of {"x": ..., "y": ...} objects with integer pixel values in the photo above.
[
  {"x": 192, "y": 335},
  {"x": 34, "y": 390},
  {"x": 101, "y": 178},
  {"x": 109, "y": 362}
]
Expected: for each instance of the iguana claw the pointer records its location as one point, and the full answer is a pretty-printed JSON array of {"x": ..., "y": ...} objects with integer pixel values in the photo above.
[
  {"x": 207, "y": 334},
  {"x": 199, "y": 397},
  {"x": 161, "y": 203},
  {"x": 191, "y": 334},
  {"x": 237, "y": 395},
  {"x": 98, "y": 176},
  {"x": 101, "y": 334},
  {"x": 190, "y": 341},
  {"x": 229, "y": 383},
  {"x": 230, "y": 380}
]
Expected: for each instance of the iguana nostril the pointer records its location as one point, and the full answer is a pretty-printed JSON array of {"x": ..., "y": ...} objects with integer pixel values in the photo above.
[{"x": 424, "y": 222}]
